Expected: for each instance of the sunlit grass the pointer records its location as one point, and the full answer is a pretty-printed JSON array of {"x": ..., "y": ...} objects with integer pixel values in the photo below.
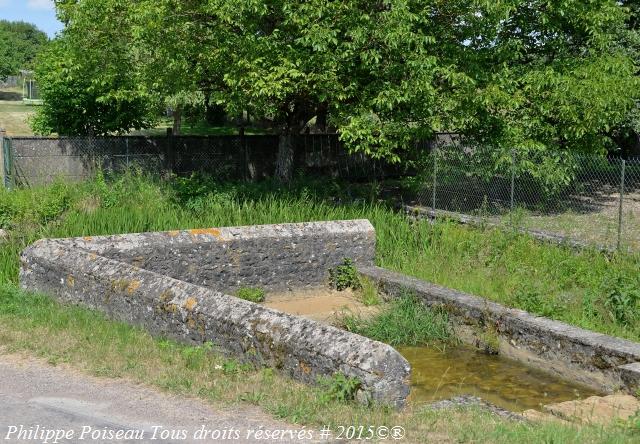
[{"x": 503, "y": 266}]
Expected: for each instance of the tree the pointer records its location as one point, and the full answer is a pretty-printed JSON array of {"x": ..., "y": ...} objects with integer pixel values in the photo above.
[
  {"x": 538, "y": 73},
  {"x": 88, "y": 76},
  {"x": 535, "y": 73},
  {"x": 627, "y": 135},
  {"x": 20, "y": 42}
]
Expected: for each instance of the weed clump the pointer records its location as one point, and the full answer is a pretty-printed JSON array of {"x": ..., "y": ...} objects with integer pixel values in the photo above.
[
  {"x": 252, "y": 294},
  {"x": 339, "y": 388},
  {"x": 369, "y": 292},
  {"x": 344, "y": 276},
  {"x": 621, "y": 297}
]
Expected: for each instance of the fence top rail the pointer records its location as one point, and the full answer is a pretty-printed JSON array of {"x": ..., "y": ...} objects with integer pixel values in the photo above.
[{"x": 221, "y": 136}]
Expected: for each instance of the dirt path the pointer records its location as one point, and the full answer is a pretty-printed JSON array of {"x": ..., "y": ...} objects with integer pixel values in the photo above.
[{"x": 34, "y": 394}]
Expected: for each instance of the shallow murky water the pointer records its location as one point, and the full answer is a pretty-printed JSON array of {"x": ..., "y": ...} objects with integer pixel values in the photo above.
[{"x": 462, "y": 370}]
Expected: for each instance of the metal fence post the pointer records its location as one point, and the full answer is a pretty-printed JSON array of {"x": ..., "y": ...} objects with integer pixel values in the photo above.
[
  {"x": 3, "y": 134},
  {"x": 622, "y": 171},
  {"x": 513, "y": 185},
  {"x": 435, "y": 182},
  {"x": 5, "y": 159},
  {"x": 126, "y": 141}
]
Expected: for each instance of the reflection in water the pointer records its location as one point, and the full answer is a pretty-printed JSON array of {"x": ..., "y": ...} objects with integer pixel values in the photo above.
[{"x": 461, "y": 370}]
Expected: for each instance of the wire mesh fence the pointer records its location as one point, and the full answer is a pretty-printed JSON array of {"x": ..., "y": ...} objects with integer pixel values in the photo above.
[
  {"x": 32, "y": 161},
  {"x": 585, "y": 200}
]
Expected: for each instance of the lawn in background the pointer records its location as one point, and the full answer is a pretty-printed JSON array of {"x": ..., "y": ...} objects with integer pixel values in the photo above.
[{"x": 14, "y": 115}]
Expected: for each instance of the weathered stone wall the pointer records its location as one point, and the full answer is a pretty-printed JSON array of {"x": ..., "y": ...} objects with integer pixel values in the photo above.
[
  {"x": 77, "y": 271},
  {"x": 603, "y": 362},
  {"x": 275, "y": 257}
]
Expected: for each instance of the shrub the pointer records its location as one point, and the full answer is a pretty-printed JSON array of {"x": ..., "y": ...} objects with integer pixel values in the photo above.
[{"x": 621, "y": 297}]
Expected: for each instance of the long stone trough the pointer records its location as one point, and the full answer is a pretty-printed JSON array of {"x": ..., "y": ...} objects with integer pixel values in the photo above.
[
  {"x": 605, "y": 363},
  {"x": 178, "y": 284}
]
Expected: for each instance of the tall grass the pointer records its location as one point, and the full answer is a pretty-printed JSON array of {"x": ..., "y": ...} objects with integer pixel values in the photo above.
[
  {"x": 586, "y": 288},
  {"x": 405, "y": 322}
]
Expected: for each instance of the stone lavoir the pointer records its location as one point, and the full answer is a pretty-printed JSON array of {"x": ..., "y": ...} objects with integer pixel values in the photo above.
[{"x": 180, "y": 284}]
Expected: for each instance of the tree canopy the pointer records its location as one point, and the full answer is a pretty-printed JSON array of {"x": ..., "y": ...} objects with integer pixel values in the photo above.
[
  {"x": 88, "y": 77},
  {"x": 533, "y": 73},
  {"x": 20, "y": 42}
]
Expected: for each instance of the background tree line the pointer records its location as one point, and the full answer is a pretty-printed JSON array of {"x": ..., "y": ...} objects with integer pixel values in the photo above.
[
  {"x": 20, "y": 42},
  {"x": 533, "y": 74}
]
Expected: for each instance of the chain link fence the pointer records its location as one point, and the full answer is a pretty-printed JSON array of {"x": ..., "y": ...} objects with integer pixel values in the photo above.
[
  {"x": 30, "y": 161},
  {"x": 578, "y": 199}
]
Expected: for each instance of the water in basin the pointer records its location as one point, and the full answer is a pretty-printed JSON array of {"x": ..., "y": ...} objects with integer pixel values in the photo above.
[{"x": 462, "y": 370}]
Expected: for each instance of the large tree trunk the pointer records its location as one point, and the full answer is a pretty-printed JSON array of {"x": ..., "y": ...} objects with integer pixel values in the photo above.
[
  {"x": 284, "y": 163},
  {"x": 177, "y": 120}
]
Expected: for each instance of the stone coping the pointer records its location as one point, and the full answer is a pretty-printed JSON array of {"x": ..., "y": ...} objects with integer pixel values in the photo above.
[{"x": 161, "y": 239}]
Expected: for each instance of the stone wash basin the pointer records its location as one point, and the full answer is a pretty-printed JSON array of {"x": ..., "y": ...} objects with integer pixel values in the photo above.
[{"x": 177, "y": 284}]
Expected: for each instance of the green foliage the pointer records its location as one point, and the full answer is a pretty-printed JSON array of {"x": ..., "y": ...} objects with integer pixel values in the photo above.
[
  {"x": 345, "y": 276},
  {"x": 20, "y": 42},
  {"x": 339, "y": 388},
  {"x": 531, "y": 299},
  {"x": 405, "y": 322},
  {"x": 530, "y": 74},
  {"x": 36, "y": 206},
  {"x": 233, "y": 367},
  {"x": 87, "y": 76},
  {"x": 252, "y": 294},
  {"x": 195, "y": 358}
]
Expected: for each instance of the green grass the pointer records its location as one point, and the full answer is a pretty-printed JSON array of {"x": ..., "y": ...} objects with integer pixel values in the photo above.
[
  {"x": 14, "y": 114},
  {"x": 368, "y": 292},
  {"x": 577, "y": 287},
  {"x": 586, "y": 288}
]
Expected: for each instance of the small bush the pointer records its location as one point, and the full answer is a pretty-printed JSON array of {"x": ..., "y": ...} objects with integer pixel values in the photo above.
[
  {"x": 344, "y": 276},
  {"x": 406, "y": 322},
  {"x": 339, "y": 388},
  {"x": 252, "y": 294}
]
